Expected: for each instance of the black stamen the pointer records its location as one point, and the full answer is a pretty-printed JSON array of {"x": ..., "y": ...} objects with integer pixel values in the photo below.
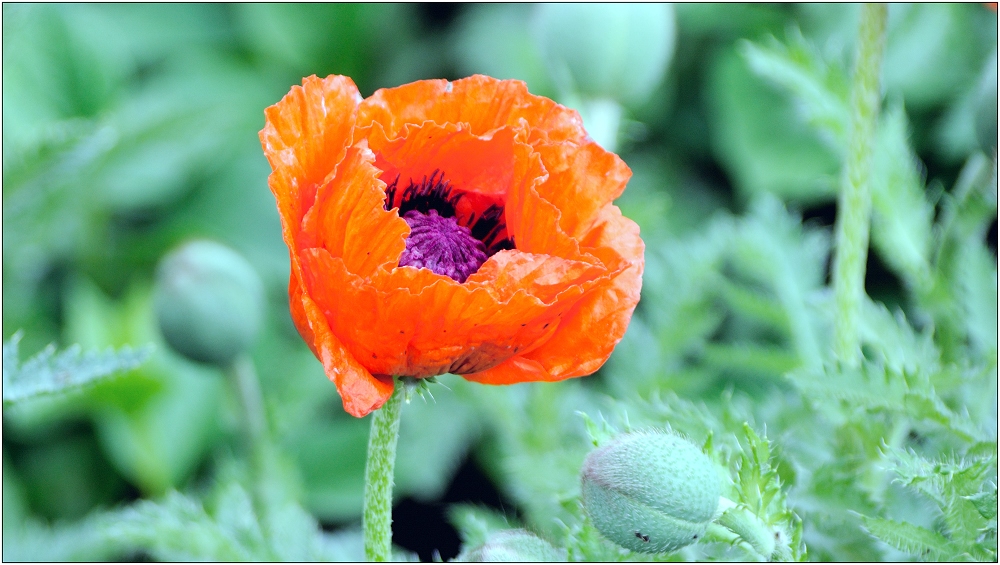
[
  {"x": 435, "y": 193},
  {"x": 390, "y": 194},
  {"x": 488, "y": 227},
  {"x": 496, "y": 247}
]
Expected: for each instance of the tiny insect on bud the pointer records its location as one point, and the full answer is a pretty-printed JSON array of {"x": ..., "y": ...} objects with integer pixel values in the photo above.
[
  {"x": 650, "y": 492},
  {"x": 513, "y": 545},
  {"x": 209, "y": 302}
]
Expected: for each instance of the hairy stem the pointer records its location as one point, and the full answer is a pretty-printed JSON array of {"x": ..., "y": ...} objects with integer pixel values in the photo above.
[
  {"x": 854, "y": 204},
  {"x": 377, "y": 519}
]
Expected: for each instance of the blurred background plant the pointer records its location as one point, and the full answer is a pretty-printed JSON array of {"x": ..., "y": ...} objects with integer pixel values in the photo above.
[{"x": 129, "y": 130}]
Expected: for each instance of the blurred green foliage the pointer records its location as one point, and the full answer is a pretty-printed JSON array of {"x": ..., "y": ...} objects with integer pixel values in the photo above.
[{"x": 131, "y": 128}]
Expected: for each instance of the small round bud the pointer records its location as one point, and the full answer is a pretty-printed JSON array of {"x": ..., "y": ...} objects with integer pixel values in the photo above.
[
  {"x": 209, "y": 302},
  {"x": 615, "y": 51},
  {"x": 650, "y": 492},
  {"x": 514, "y": 545}
]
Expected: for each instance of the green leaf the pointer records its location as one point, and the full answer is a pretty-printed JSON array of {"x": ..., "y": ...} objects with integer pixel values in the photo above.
[
  {"x": 914, "y": 540},
  {"x": 821, "y": 90},
  {"x": 985, "y": 502},
  {"x": 760, "y": 491},
  {"x": 49, "y": 373},
  {"x": 902, "y": 216},
  {"x": 772, "y": 246},
  {"x": 977, "y": 280},
  {"x": 760, "y": 141},
  {"x": 176, "y": 529},
  {"x": 869, "y": 386},
  {"x": 156, "y": 422},
  {"x": 903, "y": 349}
]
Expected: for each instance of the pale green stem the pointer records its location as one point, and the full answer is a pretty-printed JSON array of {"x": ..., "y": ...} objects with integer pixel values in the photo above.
[
  {"x": 854, "y": 205},
  {"x": 377, "y": 518},
  {"x": 244, "y": 376},
  {"x": 263, "y": 493}
]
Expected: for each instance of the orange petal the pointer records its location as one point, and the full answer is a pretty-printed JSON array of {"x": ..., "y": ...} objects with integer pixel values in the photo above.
[
  {"x": 305, "y": 135},
  {"x": 298, "y": 312},
  {"x": 517, "y": 369},
  {"x": 532, "y": 221},
  {"x": 589, "y": 332},
  {"x": 413, "y": 322},
  {"x": 542, "y": 276},
  {"x": 360, "y": 391},
  {"x": 349, "y": 219},
  {"x": 582, "y": 180},
  {"x": 482, "y": 102},
  {"x": 469, "y": 162}
]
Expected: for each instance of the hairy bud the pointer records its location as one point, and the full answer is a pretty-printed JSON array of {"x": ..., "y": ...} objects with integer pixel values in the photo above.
[
  {"x": 514, "y": 545},
  {"x": 209, "y": 302},
  {"x": 650, "y": 492}
]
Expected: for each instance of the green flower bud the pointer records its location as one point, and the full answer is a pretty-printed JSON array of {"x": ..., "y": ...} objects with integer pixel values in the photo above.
[
  {"x": 650, "y": 492},
  {"x": 209, "y": 302},
  {"x": 514, "y": 545},
  {"x": 615, "y": 51}
]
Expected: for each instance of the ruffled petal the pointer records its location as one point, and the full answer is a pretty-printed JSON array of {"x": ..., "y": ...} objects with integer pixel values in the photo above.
[
  {"x": 517, "y": 369},
  {"x": 532, "y": 221},
  {"x": 305, "y": 135},
  {"x": 349, "y": 220},
  {"x": 360, "y": 391},
  {"x": 597, "y": 322},
  {"x": 582, "y": 179},
  {"x": 544, "y": 277},
  {"x": 414, "y": 322},
  {"x": 480, "y": 169},
  {"x": 482, "y": 102},
  {"x": 298, "y": 312}
]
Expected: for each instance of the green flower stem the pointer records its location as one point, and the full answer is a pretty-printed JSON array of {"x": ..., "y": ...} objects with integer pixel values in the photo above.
[
  {"x": 243, "y": 375},
  {"x": 854, "y": 205},
  {"x": 377, "y": 519}
]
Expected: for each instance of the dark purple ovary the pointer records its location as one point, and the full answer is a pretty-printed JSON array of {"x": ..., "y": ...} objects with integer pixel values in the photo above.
[{"x": 441, "y": 245}]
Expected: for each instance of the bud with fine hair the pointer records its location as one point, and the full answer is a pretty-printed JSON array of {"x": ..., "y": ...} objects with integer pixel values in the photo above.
[
  {"x": 650, "y": 492},
  {"x": 513, "y": 545},
  {"x": 209, "y": 302}
]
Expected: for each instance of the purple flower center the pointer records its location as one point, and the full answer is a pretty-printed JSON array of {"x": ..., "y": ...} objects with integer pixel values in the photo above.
[{"x": 441, "y": 245}]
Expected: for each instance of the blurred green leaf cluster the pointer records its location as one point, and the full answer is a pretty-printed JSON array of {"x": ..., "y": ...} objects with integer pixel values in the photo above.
[{"x": 131, "y": 129}]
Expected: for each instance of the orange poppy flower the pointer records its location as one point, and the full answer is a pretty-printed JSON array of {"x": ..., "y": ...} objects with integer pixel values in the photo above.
[{"x": 449, "y": 227}]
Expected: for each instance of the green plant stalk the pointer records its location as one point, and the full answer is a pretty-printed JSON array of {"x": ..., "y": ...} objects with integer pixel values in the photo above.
[
  {"x": 377, "y": 518},
  {"x": 244, "y": 377},
  {"x": 854, "y": 204}
]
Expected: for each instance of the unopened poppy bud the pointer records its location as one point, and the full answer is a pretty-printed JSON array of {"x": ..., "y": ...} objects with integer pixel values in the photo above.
[
  {"x": 650, "y": 492},
  {"x": 209, "y": 302},
  {"x": 514, "y": 545},
  {"x": 615, "y": 51}
]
